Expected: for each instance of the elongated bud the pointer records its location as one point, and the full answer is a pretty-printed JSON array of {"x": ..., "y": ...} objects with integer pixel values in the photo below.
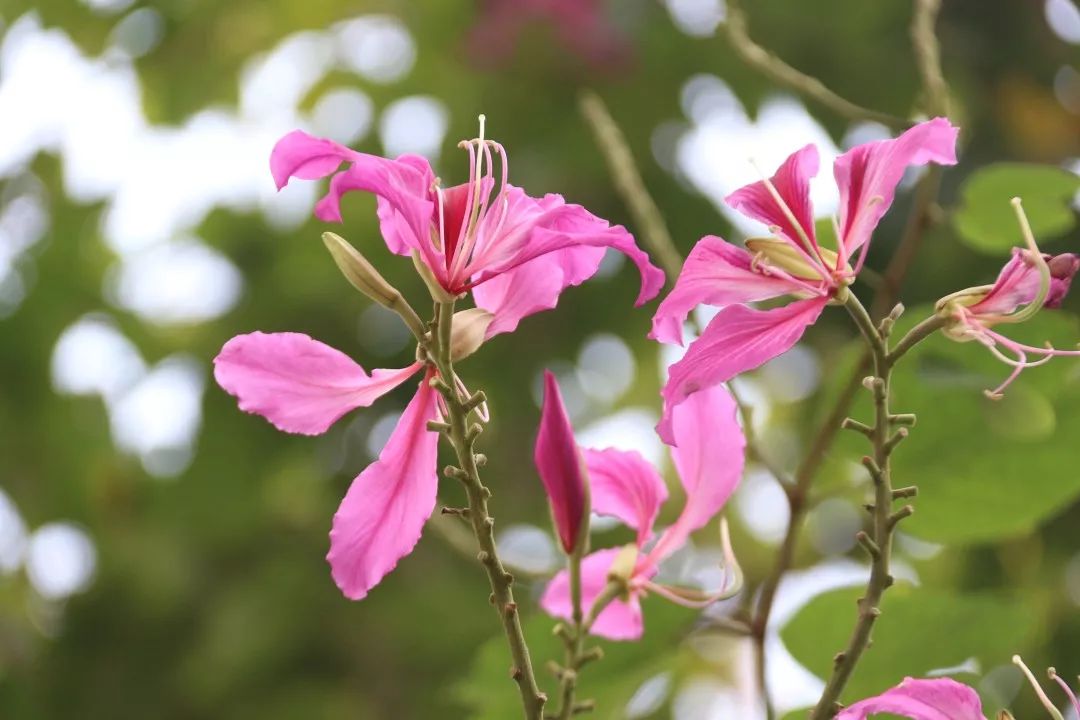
[
  {"x": 359, "y": 272},
  {"x": 438, "y": 292},
  {"x": 562, "y": 470},
  {"x": 363, "y": 276},
  {"x": 468, "y": 333}
]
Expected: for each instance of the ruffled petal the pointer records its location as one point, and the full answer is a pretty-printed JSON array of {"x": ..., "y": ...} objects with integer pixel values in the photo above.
[
  {"x": 299, "y": 384},
  {"x": 792, "y": 183},
  {"x": 621, "y": 620},
  {"x": 384, "y": 511},
  {"x": 561, "y": 466},
  {"x": 736, "y": 340},
  {"x": 302, "y": 156},
  {"x": 534, "y": 286},
  {"x": 868, "y": 174},
  {"x": 625, "y": 485},
  {"x": 709, "y": 455},
  {"x": 938, "y": 699},
  {"x": 533, "y": 228},
  {"x": 715, "y": 273}
]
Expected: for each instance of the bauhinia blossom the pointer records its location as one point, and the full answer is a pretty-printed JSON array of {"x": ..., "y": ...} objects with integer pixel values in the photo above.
[
  {"x": 515, "y": 253},
  {"x": 792, "y": 263},
  {"x": 709, "y": 458},
  {"x": 562, "y": 468},
  {"x": 946, "y": 699},
  {"x": 1029, "y": 282}
]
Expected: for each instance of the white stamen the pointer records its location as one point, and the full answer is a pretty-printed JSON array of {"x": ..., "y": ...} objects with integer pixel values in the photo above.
[{"x": 1038, "y": 689}]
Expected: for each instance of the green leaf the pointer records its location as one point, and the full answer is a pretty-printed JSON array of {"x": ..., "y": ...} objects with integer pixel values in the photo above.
[
  {"x": 985, "y": 469},
  {"x": 986, "y": 221},
  {"x": 908, "y": 639}
]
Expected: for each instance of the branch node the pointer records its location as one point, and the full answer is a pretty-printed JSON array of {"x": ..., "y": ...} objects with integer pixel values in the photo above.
[
  {"x": 905, "y": 419},
  {"x": 905, "y": 492},
  {"x": 853, "y": 424},
  {"x": 897, "y": 437},
  {"x": 868, "y": 544},
  {"x": 904, "y": 512}
]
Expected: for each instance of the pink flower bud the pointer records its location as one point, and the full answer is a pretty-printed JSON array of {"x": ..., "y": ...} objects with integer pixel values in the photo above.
[{"x": 562, "y": 468}]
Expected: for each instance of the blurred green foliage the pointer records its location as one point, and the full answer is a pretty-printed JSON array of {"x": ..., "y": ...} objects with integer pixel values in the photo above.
[{"x": 212, "y": 598}]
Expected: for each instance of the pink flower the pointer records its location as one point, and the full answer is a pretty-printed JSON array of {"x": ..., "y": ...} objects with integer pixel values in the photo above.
[
  {"x": 939, "y": 699},
  {"x": 514, "y": 252},
  {"x": 303, "y": 386},
  {"x": 709, "y": 460},
  {"x": 1030, "y": 281},
  {"x": 581, "y": 26},
  {"x": 792, "y": 264},
  {"x": 561, "y": 467}
]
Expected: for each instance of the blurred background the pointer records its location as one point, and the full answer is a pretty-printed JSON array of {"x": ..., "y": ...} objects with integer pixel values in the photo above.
[{"x": 161, "y": 553}]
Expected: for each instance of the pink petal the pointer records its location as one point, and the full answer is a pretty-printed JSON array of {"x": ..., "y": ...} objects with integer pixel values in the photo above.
[
  {"x": 939, "y": 699},
  {"x": 384, "y": 511},
  {"x": 715, "y": 273},
  {"x": 867, "y": 176},
  {"x": 709, "y": 454},
  {"x": 533, "y": 228},
  {"x": 1017, "y": 284},
  {"x": 736, "y": 340},
  {"x": 1062, "y": 269},
  {"x": 792, "y": 183},
  {"x": 534, "y": 286},
  {"x": 561, "y": 467},
  {"x": 619, "y": 621},
  {"x": 308, "y": 158},
  {"x": 299, "y": 384},
  {"x": 625, "y": 485}
]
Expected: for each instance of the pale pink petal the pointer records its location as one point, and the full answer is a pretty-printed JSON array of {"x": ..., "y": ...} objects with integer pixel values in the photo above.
[
  {"x": 561, "y": 466},
  {"x": 619, "y": 621},
  {"x": 792, "y": 183},
  {"x": 709, "y": 456},
  {"x": 715, "y": 273},
  {"x": 1017, "y": 284},
  {"x": 534, "y": 286},
  {"x": 532, "y": 228},
  {"x": 384, "y": 511},
  {"x": 299, "y": 384},
  {"x": 736, "y": 340},
  {"x": 868, "y": 174},
  {"x": 625, "y": 485},
  {"x": 309, "y": 158},
  {"x": 938, "y": 699}
]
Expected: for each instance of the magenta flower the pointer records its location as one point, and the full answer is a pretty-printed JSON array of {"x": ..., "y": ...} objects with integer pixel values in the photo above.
[
  {"x": 515, "y": 253},
  {"x": 582, "y": 26},
  {"x": 561, "y": 467},
  {"x": 709, "y": 460},
  {"x": 938, "y": 699},
  {"x": 791, "y": 264},
  {"x": 1030, "y": 281}
]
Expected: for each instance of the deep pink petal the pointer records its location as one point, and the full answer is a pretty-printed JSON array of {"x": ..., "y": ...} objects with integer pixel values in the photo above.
[
  {"x": 383, "y": 513},
  {"x": 1062, "y": 269},
  {"x": 1017, "y": 284},
  {"x": 619, "y": 621},
  {"x": 561, "y": 466},
  {"x": 715, "y": 273},
  {"x": 736, "y": 340},
  {"x": 938, "y": 699},
  {"x": 868, "y": 174},
  {"x": 534, "y": 286},
  {"x": 309, "y": 158},
  {"x": 625, "y": 485},
  {"x": 709, "y": 455},
  {"x": 299, "y": 384},
  {"x": 533, "y": 228},
  {"x": 792, "y": 183}
]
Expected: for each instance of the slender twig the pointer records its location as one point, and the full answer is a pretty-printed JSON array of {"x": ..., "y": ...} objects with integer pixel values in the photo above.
[
  {"x": 624, "y": 173},
  {"x": 462, "y": 435},
  {"x": 753, "y": 444},
  {"x": 780, "y": 72},
  {"x": 577, "y": 654},
  {"x": 928, "y": 56},
  {"x": 879, "y": 542}
]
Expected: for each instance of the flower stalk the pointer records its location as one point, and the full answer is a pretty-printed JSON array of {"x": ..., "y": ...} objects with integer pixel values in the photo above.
[
  {"x": 884, "y": 436},
  {"x": 462, "y": 433}
]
